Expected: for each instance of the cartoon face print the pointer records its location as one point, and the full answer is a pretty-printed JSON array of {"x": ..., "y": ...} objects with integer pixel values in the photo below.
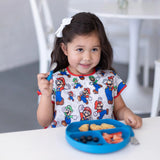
[
  {"x": 60, "y": 82},
  {"x": 68, "y": 110},
  {"x": 68, "y": 115},
  {"x": 84, "y": 95},
  {"x": 76, "y": 83},
  {"x": 109, "y": 89},
  {"x": 99, "y": 109},
  {"x": 70, "y": 96},
  {"x": 85, "y": 112},
  {"x": 95, "y": 84},
  {"x": 92, "y": 78},
  {"x": 110, "y": 81},
  {"x": 98, "y": 105}
]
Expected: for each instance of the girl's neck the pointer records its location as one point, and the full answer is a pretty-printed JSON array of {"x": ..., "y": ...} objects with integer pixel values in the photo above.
[{"x": 89, "y": 74}]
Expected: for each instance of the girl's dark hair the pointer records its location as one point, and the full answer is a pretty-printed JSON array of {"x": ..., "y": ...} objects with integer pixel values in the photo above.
[{"x": 82, "y": 24}]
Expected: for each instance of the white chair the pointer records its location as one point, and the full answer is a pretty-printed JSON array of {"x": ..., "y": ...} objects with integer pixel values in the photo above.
[
  {"x": 156, "y": 90},
  {"x": 44, "y": 32}
]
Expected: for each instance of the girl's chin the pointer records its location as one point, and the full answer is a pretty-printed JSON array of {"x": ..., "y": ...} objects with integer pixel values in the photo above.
[{"x": 81, "y": 70}]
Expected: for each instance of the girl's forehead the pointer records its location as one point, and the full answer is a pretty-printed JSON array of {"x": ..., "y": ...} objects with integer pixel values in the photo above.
[{"x": 89, "y": 38}]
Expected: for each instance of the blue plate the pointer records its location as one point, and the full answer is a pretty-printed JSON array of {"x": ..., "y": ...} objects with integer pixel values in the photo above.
[{"x": 72, "y": 133}]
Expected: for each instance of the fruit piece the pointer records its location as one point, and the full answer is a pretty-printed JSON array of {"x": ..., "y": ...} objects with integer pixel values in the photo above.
[
  {"x": 113, "y": 137},
  {"x": 84, "y": 141},
  {"x": 106, "y": 135},
  {"x": 95, "y": 139},
  {"x": 117, "y": 141},
  {"x": 117, "y": 133},
  {"x": 82, "y": 137},
  {"x": 76, "y": 139},
  {"x": 89, "y": 138}
]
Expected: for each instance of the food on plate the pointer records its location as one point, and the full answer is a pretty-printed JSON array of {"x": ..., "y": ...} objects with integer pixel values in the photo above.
[
  {"x": 113, "y": 137},
  {"x": 89, "y": 138},
  {"x": 84, "y": 127},
  {"x": 95, "y": 139},
  {"x": 95, "y": 127},
  {"x": 85, "y": 139},
  {"x": 107, "y": 126},
  {"x": 102, "y": 126}
]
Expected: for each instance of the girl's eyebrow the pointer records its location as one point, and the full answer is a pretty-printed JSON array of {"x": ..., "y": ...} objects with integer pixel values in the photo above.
[{"x": 84, "y": 46}]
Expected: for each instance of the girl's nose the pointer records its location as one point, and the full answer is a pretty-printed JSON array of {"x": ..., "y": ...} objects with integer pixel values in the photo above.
[{"x": 87, "y": 56}]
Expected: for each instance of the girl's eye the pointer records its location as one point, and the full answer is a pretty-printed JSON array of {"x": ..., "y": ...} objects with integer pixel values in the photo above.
[
  {"x": 80, "y": 49},
  {"x": 94, "y": 49}
]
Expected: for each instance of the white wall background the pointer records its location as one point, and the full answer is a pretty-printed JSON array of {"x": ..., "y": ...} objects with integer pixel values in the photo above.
[{"x": 18, "y": 45}]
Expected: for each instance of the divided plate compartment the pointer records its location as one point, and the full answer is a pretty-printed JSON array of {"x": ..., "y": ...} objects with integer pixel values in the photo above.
[{"x": 72, "y": 133}]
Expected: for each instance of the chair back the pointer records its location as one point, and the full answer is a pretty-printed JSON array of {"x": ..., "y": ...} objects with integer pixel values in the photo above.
[{"x": 44, "y": 32}]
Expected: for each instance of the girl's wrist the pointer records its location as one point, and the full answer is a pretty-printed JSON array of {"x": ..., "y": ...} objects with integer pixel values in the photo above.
[{"x": 46, "y": 96}]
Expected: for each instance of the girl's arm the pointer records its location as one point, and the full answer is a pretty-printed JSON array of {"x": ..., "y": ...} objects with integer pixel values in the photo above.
[
  {"x": 122, "y": 112},
  {"x": 45, "y": 111},
  {"x": 45, "y": 108}
]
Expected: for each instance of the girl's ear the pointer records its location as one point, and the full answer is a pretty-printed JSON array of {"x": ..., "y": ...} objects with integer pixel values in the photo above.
[{"x": 64, "y": 49}]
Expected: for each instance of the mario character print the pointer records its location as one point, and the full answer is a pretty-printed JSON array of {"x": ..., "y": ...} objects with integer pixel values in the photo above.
[
  {"x": 85, "y": 113},
  {"x": 99, "y": 109},
  {"x": 84, "y": 95},
  {"x": 70, "y": 96},
  {"x": 76, "y": 83},
  {"x": 68, "y": 115},
  {"x": 109, "y": 88},
  {"x": 60, "y": 82},
  {"x": 95, "y": 84},
  {"x": 63, "y": 72}
]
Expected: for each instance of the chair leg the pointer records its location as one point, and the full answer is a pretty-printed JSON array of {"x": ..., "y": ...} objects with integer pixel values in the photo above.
[
  {"x": 146, "y": 65},
  {"x": 43, "y": 66},
  {"x": 156, "y": 90}
]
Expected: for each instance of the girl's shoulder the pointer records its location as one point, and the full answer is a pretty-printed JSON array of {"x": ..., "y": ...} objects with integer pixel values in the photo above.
[
  {"x": 106, "y": 72},
  {"x": 61, "y": 73}
]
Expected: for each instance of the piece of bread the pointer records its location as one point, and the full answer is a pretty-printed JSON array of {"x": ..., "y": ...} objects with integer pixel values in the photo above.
[
  {"x": 84, "y": 127},
  {"x": 95, "y": 127},
  {"x": 107, "y": 126}
]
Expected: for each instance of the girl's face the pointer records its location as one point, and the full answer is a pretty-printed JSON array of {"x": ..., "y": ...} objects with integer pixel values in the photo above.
[{"x": 83, "y": 53}]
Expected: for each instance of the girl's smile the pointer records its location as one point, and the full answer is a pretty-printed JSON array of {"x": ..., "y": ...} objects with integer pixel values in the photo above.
[{"x": 83, "y": 53}]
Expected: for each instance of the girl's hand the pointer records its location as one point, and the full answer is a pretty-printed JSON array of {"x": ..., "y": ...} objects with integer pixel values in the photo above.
[
  {"x": 132, "y": 120},
  {"x": 44, "y": 85}
]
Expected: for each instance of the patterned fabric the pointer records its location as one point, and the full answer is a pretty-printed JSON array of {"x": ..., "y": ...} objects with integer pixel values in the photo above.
[{"x": 85, "y": 97}]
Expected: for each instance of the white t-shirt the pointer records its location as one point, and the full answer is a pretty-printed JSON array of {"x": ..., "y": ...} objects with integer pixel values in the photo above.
[{"x": 84, "y": 97}]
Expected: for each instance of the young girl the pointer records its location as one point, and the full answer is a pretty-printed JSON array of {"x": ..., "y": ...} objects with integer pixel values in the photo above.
[{"x": 84, "y": 85}]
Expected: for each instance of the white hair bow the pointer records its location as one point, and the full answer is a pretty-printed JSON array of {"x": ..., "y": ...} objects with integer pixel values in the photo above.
[{"x": 65, "y": 22}]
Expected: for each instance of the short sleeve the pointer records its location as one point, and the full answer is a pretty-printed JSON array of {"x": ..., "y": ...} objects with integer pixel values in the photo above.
[{"x": 119, "y": 86}]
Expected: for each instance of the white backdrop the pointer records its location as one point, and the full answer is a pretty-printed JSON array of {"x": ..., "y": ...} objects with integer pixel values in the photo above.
[{"x": 18, "y": 45}]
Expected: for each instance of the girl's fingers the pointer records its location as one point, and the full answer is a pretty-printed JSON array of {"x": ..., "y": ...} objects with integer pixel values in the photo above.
[
  {"x": 135, "y": 122},
  {"x": 131, "y": 122},
  {"x": 42, "y": 76},
  {"x": 139, "y": 122}
]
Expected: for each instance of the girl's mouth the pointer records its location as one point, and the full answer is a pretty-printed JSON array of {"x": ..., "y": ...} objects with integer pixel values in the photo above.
[{"x": 85, "y": 65}]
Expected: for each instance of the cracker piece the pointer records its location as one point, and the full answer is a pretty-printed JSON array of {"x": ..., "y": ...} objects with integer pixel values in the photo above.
[
  {"x": 84, "y": 127},
  {"x": 107, "y": 126}
]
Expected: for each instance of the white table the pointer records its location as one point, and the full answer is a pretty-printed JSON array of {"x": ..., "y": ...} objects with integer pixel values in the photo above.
[
  {"x": 49, "y": 144},
  {"x": 136, "y": 97}
]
